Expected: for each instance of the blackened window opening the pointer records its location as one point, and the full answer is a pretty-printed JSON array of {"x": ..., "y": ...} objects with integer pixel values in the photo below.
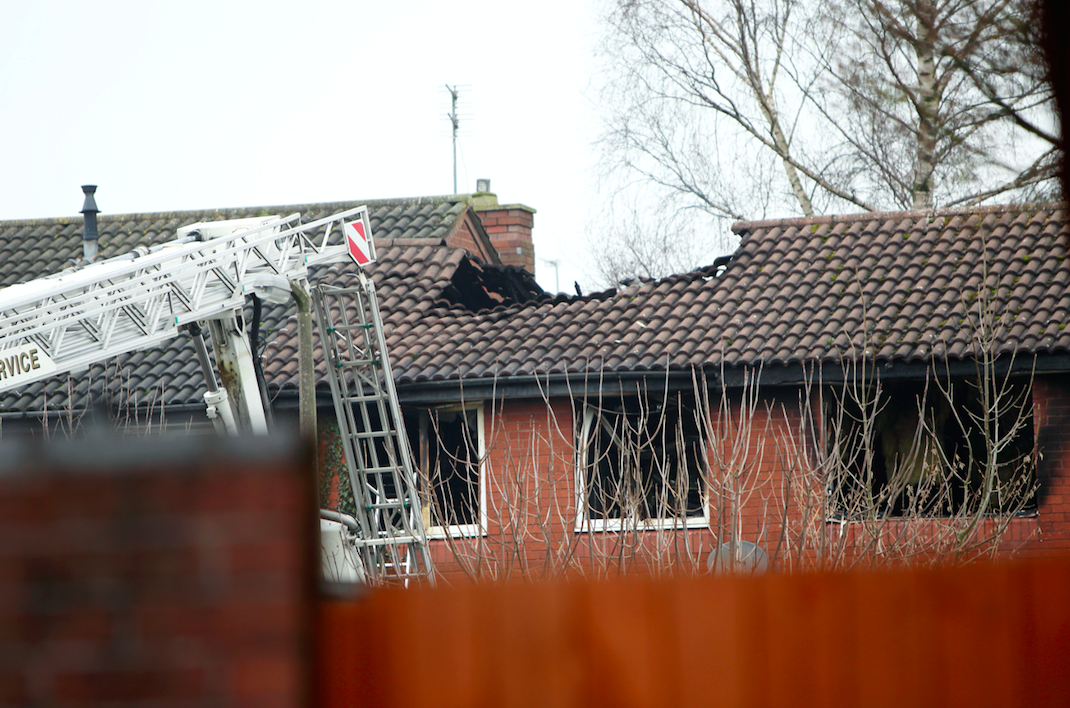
[
  {"x": 447, "y": 452},
  {"x": 922, "y": 449},
  {"x": 644, "y": 459}
]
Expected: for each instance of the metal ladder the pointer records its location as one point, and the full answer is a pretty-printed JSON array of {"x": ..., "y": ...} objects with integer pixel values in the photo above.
[{"x": 392, "y": 542}]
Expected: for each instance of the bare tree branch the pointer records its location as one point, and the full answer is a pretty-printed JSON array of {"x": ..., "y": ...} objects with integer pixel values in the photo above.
[{"x": 738, "y": 107}]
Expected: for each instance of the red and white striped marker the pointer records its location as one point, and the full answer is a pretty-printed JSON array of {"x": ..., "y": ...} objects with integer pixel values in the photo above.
[{"x": 358, "y": 238}]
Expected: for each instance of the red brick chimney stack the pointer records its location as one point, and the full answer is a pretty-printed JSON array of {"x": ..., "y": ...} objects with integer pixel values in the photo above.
[{"x": 509, "y": 227}]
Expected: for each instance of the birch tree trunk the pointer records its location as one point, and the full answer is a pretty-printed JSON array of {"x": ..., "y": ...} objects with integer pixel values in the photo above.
[{"x": 927, "y": 104}]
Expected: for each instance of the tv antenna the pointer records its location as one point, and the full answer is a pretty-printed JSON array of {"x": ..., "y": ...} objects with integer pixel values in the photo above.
[{"x": 455, "y": 120}]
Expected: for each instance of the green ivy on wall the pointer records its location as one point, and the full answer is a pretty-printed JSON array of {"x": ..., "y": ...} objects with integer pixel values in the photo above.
[{"x": 332, "y": 467}]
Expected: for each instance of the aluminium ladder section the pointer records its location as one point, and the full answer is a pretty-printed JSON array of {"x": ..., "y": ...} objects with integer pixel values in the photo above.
[{"x": 392, "y": 543}]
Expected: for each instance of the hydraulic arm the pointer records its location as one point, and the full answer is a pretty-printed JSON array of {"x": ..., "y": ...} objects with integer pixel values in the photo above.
[{"x": 67, "y": 321}]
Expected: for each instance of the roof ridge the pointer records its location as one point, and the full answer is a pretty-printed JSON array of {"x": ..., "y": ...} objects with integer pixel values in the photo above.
[
  {"x": 411, "y": 242},
  {"x": 741, "y": 227},
  {"x": 287, "y": 208}
]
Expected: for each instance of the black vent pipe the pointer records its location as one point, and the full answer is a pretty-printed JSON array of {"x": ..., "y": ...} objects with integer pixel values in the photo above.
[{"x": 89, "y": 211}]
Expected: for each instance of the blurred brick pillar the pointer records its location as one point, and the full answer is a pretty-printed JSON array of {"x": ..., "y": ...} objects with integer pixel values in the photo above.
[{"x": 162, "y": 572}]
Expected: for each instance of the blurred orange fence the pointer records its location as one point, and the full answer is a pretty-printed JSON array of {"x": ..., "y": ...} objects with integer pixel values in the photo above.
[{"x": 983, "y": 635}]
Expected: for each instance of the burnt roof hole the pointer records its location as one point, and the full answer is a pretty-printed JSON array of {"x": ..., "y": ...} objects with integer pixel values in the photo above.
[
  {"x": 477, "y": 286},
  {"x": 720, "y": 265}
]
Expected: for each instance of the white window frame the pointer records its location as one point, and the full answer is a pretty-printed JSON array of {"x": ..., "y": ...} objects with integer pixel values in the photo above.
[
  {"x": 583, "y": 521},
  {"x": 462, "y": 530}
]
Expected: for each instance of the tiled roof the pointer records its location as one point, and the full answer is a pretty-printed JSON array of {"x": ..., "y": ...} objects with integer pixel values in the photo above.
[
  {"x": 902, "y": 286},
  {"x": 30, "y": 249}
]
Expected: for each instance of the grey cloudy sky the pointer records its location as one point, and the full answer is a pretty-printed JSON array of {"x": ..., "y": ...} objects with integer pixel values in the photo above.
[{"x": 202, "y": 104}]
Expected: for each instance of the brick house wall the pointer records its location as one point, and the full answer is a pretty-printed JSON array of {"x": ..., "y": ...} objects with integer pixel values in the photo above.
[
  {"x": 1051, "y": 415},
  {"x": 464, "y": 236},
  {"x": 531, "y": 498},
  {"x": 156, "y": 572}
]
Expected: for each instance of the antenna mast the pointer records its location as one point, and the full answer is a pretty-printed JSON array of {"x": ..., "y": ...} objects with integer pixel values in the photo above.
[{"x": 455, "y": 119}]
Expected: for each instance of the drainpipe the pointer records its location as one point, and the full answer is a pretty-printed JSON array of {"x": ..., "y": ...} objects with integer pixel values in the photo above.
[{"x": 89, "y": 212}]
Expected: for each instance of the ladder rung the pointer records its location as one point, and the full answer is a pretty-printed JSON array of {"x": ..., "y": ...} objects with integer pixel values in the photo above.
[
  {"x": 354, "y": 363},
  {"x": 372, "y": 434},
  {"x": 385, "y": 541},
  {"x": 364, "y": 399},
  {"x": 379, "y": 470},
  {"x": 372, "y": 472},
  {"x": 346, "y": 328},
  {"x": 392, "y": 504}
]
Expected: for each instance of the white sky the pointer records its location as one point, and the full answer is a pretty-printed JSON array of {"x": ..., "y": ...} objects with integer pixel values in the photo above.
[{"x": 203, "y": 104}]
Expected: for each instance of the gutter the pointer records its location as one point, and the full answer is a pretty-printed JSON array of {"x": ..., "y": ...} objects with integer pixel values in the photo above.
[
  {"x": 543, "y": 385},
  {"x": 50, "y": 413},
  {"x": 586, "y": 383}
]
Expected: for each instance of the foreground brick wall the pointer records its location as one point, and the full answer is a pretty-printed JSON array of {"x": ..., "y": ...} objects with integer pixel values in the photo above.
[
  {"x": 986, "y": 635},
  {"x": 155, "y": 573}
]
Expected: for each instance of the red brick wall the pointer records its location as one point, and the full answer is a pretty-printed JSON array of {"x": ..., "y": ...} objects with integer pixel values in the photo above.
[
  {"x": 1051, "y": 421},
  {"x": 764, "y": 485},
  {"x": 156, "y": 573},
  {"x": 510, "y": 230},
  {"x": 529, "y": 477},
  {"x": 463, "y": 237}
]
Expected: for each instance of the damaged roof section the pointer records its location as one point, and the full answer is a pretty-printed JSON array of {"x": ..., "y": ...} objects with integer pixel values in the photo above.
[
  {"x": 416, "y": 275},
  {"x": 418, "y": 282},
  {"x": 479, "y": 286}
]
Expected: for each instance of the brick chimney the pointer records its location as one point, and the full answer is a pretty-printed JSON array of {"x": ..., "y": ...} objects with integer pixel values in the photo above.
[{"x": 509, "y": 227}]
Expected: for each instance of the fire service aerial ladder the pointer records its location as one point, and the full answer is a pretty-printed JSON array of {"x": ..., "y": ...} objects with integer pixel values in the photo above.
[{"x": 65, "y": 322}]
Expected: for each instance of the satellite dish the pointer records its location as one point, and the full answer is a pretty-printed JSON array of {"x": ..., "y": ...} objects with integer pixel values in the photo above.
[{"x": 747, "y": 558}]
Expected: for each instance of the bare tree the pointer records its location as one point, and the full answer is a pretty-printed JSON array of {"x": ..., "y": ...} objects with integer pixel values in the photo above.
[
  {"x": 704, "y": 106},
  {"x": 1013, "y": 76},
  {"x": 687, "y": 79},
  {"x": 642, "y": 244},
  {"x": 754, "y": 108},
  {"x": 939, "y": 101},
  {"x": 1011, "y": 73}
]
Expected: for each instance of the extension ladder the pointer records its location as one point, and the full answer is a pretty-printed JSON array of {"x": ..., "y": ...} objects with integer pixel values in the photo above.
[{"x": 392, "y": 543}]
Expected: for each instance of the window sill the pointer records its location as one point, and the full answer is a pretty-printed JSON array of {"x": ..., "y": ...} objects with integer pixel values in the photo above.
[
  {"x": 834, "y": 519},
  {"x": 618, "y": 525},
  {"x": 459, "y": 531}
]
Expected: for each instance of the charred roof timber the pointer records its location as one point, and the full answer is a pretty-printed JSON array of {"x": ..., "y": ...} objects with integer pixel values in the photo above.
[
  {"x": 478, "y": 286},
  {"x": 89, "y": 212}
]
